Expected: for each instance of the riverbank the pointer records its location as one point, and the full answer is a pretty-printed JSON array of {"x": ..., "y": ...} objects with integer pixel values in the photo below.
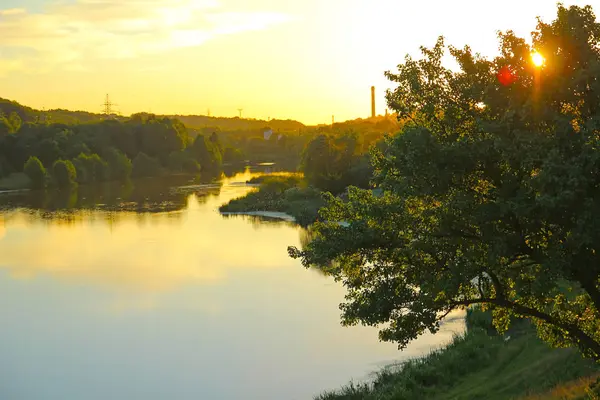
[
  {"x": 266, "y": 214},
  {"x": 483, "y": 365},
  {"x": 286, "y": 197}
]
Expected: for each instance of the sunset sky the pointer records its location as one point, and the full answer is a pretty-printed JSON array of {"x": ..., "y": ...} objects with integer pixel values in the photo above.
[{"x": 298, "y": 59}]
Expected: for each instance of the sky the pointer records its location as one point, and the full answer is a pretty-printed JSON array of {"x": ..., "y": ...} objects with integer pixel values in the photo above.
[{"x": 298, "y": 59}]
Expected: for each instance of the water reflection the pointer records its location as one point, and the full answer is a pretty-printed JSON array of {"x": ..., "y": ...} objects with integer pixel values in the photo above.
[
  {"x": 152, "y": 195},
  {"x": 102, "y": 303}
]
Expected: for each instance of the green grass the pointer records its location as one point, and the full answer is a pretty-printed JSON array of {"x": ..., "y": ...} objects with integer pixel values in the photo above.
[
  {"x": 15, "y": 181},
  {"x": 478, "y": 365},
  {"x": 288, "y": 194}
]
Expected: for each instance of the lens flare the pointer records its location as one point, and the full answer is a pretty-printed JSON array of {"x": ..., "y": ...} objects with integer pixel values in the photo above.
[
  {"x": 506, "y": 76},
  {"x": 538, "y": 59}
]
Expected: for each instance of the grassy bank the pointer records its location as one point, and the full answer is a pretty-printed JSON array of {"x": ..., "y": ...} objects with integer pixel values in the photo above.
[
  {"x": 482, "y": 365},
  {"x": 288, "y": 194}
]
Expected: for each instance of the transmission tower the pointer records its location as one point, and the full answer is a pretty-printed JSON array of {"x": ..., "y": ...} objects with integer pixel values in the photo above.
[
  {"x": 108, "y": 107},
  {"x": 240, "y": 111}
]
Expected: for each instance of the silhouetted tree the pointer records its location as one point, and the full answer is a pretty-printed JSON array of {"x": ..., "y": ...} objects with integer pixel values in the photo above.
[
  {"x": 119, "y": 166},
  {"x": 64, "y": 173},
  {"x": 490, "y": 194},
  {"x": 36, "y": 172}
]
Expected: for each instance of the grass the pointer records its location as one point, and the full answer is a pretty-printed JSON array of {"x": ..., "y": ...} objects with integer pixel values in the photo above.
[
  {"x": 15, "y": 181},
  {"x": 288, "y": 194},
  {"x": 574, "y": 390},
  {"x": 480, "y": 365}
]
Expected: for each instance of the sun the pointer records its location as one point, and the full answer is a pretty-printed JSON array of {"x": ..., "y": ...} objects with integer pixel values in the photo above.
[{"x": 538, "y": 59}]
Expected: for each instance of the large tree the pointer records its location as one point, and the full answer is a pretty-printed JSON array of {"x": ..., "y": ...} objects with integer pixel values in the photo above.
[{"x": 491, "y": 193}]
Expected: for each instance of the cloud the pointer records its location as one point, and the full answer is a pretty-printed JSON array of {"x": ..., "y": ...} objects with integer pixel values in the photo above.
[
  {"x": 110, "y": 29},
  {"x": 12, "y": 11}
]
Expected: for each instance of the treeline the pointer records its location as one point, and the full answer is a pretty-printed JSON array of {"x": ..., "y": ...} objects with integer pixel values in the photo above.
[
  {"x": 58, "y": 116},
  {"x": 142, "y": 146},
  {"x": 242, "y": 139},
  {"x": 287, "y": 146},
  {"x": 236, "y": 124},
  {"x": 338, "y": 156}
]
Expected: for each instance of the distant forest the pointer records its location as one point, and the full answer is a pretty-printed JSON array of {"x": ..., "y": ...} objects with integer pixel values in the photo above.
[{"x": 59, "y": 147}]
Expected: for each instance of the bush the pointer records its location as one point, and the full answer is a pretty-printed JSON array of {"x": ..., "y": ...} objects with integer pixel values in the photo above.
[
  {"x": 36, "y": 172},
  {"x": 64, "y": 172}
]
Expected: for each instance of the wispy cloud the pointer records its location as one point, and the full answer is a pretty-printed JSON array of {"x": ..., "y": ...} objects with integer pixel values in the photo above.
[{"x": 92, "y": 29}]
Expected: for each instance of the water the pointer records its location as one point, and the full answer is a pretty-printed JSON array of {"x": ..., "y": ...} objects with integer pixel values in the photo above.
[{"x": 181, "y": 304}]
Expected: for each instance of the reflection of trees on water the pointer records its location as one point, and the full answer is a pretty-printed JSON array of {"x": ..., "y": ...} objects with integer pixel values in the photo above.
[
  {"x": 258, "y": 221},
  {"x": 307, "y": 235},
  {"x": 113, "y": 201}
]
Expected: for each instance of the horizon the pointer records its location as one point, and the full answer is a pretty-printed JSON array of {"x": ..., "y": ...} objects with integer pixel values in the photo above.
[
  {"x": 118, "y": 114},
  {"x": 303, "y": 61}
]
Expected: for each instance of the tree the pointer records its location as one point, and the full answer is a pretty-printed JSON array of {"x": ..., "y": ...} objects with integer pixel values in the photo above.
[
  {"x": 119, "y": 165},
  {"x": 331, "y": 163},
  {"x": 145, "y": 166},
  {"x": 34, "y": 169},
  {"x": 317, "y": 163},
  {"x": 233, "y": 155},
  {"x": 90, "y": 168},
  {"x": 15, "y": 122},
  {"x": 64, "y": 173},
  {"x": 160, "y": 137},
  {"x": 206, "y": 153},
  {"x": 490, "y": 194}
]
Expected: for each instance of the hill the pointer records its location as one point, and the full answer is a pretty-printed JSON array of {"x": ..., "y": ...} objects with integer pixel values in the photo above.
[
  {"x": 236, "y": 123},
  {"x": 195, "y": 122}
]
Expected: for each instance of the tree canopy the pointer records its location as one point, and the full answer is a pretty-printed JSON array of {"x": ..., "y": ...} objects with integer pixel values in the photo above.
[
  {"x": 331, "y": 163},
  {"x": 489, "y": 193},
  {"x": 104, "y": 150}
]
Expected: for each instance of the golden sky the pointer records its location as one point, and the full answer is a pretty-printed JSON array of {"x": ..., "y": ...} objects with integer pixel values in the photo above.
[{"x": 298, "y": 59}]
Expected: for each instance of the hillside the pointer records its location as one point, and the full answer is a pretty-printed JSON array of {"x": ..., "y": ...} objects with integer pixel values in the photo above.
[
  {"x": 28, "y": 114},
  {"x": 236, "y": 123}
]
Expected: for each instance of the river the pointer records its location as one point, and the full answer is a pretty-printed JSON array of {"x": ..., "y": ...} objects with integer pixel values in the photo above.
[{"x": 147, "y": 292}]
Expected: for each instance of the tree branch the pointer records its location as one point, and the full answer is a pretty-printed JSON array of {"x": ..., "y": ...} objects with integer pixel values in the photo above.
[{"x": 500, "y": 293}]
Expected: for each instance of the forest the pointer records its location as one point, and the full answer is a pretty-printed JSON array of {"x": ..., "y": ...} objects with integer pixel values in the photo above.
[
  {"x": 107, "y": 150},
  {"x": 60, "y": 147}
]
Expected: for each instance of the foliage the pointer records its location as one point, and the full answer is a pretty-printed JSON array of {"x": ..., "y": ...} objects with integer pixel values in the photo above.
[
  {"x": 102, "y": 150},
  {"x": 145, "y": 166},
  {"x": 181, "y": 161},
  {"x": 160, "y": 137},
  {"x": 35, "y": 171},
  {"x": 233, "y": 155},
  {"x": 90, "y": 168},
  {"x": 119, "y": 166},
  {"x": 287, "y": 194},
  {"x": 64, "y": 173},
  {"x": 333, "y": 163},
  {"x": 207, "y": 153},
  {"x": 489, "y": 194},
  {"x": 474, "y": 366}
]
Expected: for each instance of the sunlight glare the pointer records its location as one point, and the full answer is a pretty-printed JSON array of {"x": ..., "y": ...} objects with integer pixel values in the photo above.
[{"x": 538, "y": 59}]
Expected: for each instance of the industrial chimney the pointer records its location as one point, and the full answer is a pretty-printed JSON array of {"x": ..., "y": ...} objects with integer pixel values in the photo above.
[{"x": 372, "y": 101}]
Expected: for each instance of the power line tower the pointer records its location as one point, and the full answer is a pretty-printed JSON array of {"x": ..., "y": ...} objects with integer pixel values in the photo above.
[
  {"x": 108, "y": 107},
  {"x": 240, "y": 111}
]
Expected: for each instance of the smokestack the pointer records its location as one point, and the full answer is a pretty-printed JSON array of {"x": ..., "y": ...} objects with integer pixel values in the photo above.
[{"x": 372, "y": 101}]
